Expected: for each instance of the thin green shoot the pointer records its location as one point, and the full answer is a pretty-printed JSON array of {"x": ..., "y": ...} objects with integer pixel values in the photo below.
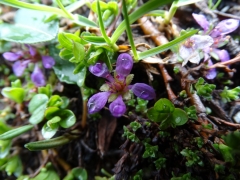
[{"x": 129, "y": 32}]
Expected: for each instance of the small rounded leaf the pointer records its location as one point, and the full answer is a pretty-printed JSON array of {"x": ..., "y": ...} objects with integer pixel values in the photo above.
[
  {"x": 68, "y": 118},
  {"x": 48, "y": 132},
  {"x": 15, "y": 94},
  {"x": 164, "y": 106},
  {"x": 156, "y": 116},
  {"x": 179, "y": 117}
]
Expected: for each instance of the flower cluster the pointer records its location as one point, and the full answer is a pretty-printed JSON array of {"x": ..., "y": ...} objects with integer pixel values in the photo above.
[
  {"x": 208, "y": 43},
  {"x": 117, "y": 88},
  {"x": 218, "y": 34},
  {"x": 21, "y": 60}
]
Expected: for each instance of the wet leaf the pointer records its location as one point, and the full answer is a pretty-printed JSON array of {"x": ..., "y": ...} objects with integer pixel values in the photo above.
[
  {"x": 15, "y": 132},
  {"x": 68, "y": 118},
  {"x": 179, "y": 117},
  {"x": 29, "y": 27},
  {"x": 37, "y": 107},
  {"x": 48, "y": 132},
  {"x": 164, "y": 106}
]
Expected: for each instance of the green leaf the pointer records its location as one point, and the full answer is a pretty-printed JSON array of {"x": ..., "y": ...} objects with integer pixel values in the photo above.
[
  {"x": 65, "y": 102},
  {"x": 51, "y": 143},
  {"x": 16, "y": 84},
  {"x": 97, "y": 40},
  {"x": 83, "y": 21},
  {"x": 164, "y": 106},
  {"x": 15, "y": 132},
  {"x": 103, "y": 6},
  {"x": 29, "y": 27},
  {"x": 37, "y": 107},
  {"x": 65, "y": 41},
  {"x": 232, "y": 139},
  {"x": 156, "y": 116},
  {"x": 79, "y": 52},
  {"x": 77, "y": 174},
  {"x": 45, "y": 90},
  {"x": 15, "y": 94},
  {"x": 51, "y": 112},
  {"x": 55, "y": 101},
  {"x": 53, "y": 123},
  {"x": 179, "y": 117},
  {"x": 68, "y": 118},
  {"x": 93, "y": 57},
  {"x": 148, "y": 6},
  {"x": 14, "y": 165},
  {"x": 48, "y": 132},
  {"x": 64, "y": 69},
  {"x": 66, "y": 54},
  {"x": 47, "y": 173},
  {"x": 5, "y": 146},
  {"x": 82, "y": 74}
]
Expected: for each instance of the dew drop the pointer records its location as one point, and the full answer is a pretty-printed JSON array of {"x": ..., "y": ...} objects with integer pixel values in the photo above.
[{"x": 178, "y": 120}]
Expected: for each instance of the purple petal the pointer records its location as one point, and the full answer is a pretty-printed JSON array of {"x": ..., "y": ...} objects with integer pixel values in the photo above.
[
  {"x": 222, "y": 54},
  {"x": 212, "y": 73},
  {"x": 37, "y": 77},
  {"x": 225, "y": 27},
  {"x": 143, "y": 91},
  {"x": 12, "y": 56},
  {"x": 48, "y": 62},
  {"x": 124, "y": 65},
  {"x": 32, "y": 50},
  {"x": 99, "y": 70},
  {"x": 19, "y": 67},
  {"x": 117, "y": 107},
  {"x": 201, "y": 20},
  {"x": 97, "y": 102}
]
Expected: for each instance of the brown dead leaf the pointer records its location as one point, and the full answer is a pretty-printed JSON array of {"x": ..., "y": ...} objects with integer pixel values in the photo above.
[{"x": 106, "y": 129}]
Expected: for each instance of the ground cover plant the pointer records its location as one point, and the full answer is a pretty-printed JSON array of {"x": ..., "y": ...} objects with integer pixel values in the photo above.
[{"x": 119, "y": 89}]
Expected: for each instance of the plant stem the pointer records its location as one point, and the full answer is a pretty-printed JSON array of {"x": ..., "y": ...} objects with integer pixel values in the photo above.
[
  {"x": 20, "y": 4},
  {"x": 128, "y": 29},
  {"x": 171, "y": 12},
  {"x": 68, "y": 14},
  {"x": 102, "y": 28}
]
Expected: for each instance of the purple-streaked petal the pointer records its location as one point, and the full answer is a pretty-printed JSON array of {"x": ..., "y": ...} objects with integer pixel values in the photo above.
[
  {"x": 97, "y": 102},
  {"x": 223, "y": 55},
  {"x": 99, "y": 70},
  {"x": 143, "y": 91},
  {"x": 19, "y": 67},
  {"x": 202, "y": 41},
  {"x": 201, "y": 20},
  {"x": 37, "y": 77},
  {"x": 117, "y": 107},
  {"x": 225, "y": 27},
  {"x": 32, "y": 50},
  {"x": 212, "y": 73},
  {"x": 48, "y": 62},
  {"x": 185, "y": 52},
  {"x": 124, "y": 65},
  {"x": 9, "y": 56}
]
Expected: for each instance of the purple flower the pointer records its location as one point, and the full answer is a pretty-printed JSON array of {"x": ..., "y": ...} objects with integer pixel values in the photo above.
[
  {"x": 190, "y": 49},
  {"x": 218, "y": 34},
  {"x": 117, "y": 88},
  {"x": 117, "y": 107},
  {"x": 21, "y": 60}
]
